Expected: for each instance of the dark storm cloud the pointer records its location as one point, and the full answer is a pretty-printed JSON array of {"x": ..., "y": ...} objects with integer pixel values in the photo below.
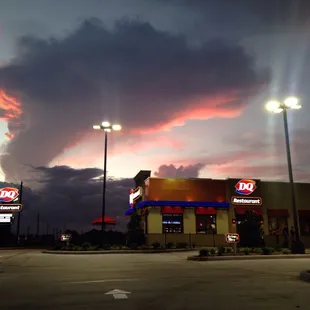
[
  {"x": 235, "y": 20},
  {"x": 72, "y": 198},
  {"x": 271, "y": 11},
  {"x": 172, "y": 171},
  {"x": 133, "y": 74}
]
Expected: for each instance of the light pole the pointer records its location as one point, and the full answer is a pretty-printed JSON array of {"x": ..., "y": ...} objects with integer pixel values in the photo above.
[
  {"x": 274, "y": 106},
  {"x": 106, "y": 127}
]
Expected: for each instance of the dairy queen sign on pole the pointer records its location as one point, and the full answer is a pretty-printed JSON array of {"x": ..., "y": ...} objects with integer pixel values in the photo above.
[{"x": 11, "y": 203}]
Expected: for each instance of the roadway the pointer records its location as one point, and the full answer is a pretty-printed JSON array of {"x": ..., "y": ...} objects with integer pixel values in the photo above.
[{"x": 32, "y": 280}]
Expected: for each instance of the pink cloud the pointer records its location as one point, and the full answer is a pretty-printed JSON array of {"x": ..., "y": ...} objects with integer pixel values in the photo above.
[
  {"x": 254, "y": 156},
  {"x": 267, "y": 171},
  {"x": 90, "y": 151},
  {"x": 221, "y": 106},
  {"x": 172, "y": 171}
]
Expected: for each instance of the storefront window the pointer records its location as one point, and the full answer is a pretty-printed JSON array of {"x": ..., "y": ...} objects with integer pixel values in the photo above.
[
  {"x": 172, "y": 223},
  {"x": 304, "y": 223},
  {"x": 206, "y": 224},
  {"x": 276, "y": 224}
]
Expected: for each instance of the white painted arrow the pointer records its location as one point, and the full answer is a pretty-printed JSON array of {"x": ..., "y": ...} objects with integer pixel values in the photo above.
[{"x": 118, "y": 294}]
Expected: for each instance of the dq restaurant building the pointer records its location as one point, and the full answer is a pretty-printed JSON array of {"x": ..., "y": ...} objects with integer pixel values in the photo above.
[{"x": 201, "y": 211}]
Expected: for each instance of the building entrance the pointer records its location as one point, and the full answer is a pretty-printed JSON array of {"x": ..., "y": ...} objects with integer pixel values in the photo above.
[{"x": 249, "y": 229}]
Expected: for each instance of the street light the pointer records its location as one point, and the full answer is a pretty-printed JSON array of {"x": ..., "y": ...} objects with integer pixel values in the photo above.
[
  {"x": 107, "y": 127},
  {"x": 275, "y": 106}
]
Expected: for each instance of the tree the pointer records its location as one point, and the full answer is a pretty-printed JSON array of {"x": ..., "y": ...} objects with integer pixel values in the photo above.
[{"x": 135, "y": 235}]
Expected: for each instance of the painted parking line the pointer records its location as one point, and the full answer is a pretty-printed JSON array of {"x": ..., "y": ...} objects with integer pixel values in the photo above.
[
  {"x": 102, "y": 281},
  {"x": 118, "y": 294}
]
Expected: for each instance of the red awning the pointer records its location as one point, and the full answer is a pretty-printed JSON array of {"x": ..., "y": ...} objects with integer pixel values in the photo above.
[
  {"x": 305, "y": 213},
  {"x": 107, "y": 220},
  {"x": 278, "y": 212},
  {"x": 242, "y": 210},
  {"x": 203, "y": 210},
  {"x": 172, "y": 210}
]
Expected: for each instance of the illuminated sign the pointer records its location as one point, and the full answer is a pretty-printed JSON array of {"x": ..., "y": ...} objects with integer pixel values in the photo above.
[
  {"x": 250, "y": 201},
  {"x": 16, "y": 207},
  {"x": 245, "y": 187},
  {"x": 66, "y": 237},
  {"x": 6, "y": 218},
  {"x": 232, "y": 238},
  {"x": 172, "y": 222},
  {"x": 134, "y": 195},
  {"x": 8, "y": 194}
]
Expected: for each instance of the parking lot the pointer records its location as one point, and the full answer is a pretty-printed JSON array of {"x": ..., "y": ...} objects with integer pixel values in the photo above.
[{"x": 32, "y": 280}]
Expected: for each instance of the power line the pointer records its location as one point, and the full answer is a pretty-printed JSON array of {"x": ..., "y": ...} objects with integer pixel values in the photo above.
[{"x": 7, "y": 172}]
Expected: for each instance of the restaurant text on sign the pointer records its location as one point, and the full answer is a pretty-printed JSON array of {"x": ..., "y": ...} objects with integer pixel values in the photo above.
[
  {"x": 16, "y": 207},
  {"x": 250, "y": 201}
]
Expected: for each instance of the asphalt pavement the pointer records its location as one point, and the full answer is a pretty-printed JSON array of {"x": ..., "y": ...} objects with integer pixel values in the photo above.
[{"x": 32, "y": 280}]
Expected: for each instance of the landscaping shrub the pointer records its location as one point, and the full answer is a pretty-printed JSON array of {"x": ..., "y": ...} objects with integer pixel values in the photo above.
[
  {"x": 72, "y": 247},
  {"x": 212, "y": 251},
  {"x": 229, "y": 250},
  {"x": 94, "y": 248},
  {"x": 220, "y": 250},
  {"x": 278, "y": 249},
  {"x": 58, "y": 246},
  {"x": 246, "y": 251},
  {"x": 256, "y": 250},
  {"x": 106, "y": 247},
  {"x": 145, "y": 247},
  {"x": 181, "y": 245},
  {"x": 86, "y": 246},
  {"x": 267, "y": 251},
  {"x": 286, "y": 251},
  {"x": 203, "y": 252},
  {"x": 169, "y": 245},
  {"x": 156, "y": 245},
  {"x": 134, "y": 246}
]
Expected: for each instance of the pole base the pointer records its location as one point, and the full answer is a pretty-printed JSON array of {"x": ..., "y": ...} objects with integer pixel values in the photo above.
[{"x": 298, "y": 247}]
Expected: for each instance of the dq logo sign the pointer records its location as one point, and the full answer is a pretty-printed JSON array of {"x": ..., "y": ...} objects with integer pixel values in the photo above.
[
  {"x": 245, "y": 187},
  {"x": 8, "y": 194}
]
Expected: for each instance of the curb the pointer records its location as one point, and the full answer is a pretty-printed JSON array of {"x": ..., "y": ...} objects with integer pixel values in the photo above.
[
  {"x": 116, "y": 252},
  {"x": 247, "y": 257},
  {"x": 305, "y": 276}
]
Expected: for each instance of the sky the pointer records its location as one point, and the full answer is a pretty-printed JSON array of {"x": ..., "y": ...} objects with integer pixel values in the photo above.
[{"x": 186, "y": 79}]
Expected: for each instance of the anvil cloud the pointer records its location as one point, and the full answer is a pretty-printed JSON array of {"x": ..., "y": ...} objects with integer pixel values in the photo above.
[{"x": 146, "y": 79}]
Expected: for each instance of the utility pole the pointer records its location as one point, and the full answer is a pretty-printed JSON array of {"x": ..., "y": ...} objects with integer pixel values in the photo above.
[
  {"x": 104, "y": 187},
  {"x": 18, "y": 217},
  {"x": 38, "y": 224}
]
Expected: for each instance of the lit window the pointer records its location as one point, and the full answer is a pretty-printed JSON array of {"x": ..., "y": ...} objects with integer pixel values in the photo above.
[
  {"x": 206, "y": 224},
  {"x": 172, "y": 223},
  {"x": 276, "y": 224}
]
